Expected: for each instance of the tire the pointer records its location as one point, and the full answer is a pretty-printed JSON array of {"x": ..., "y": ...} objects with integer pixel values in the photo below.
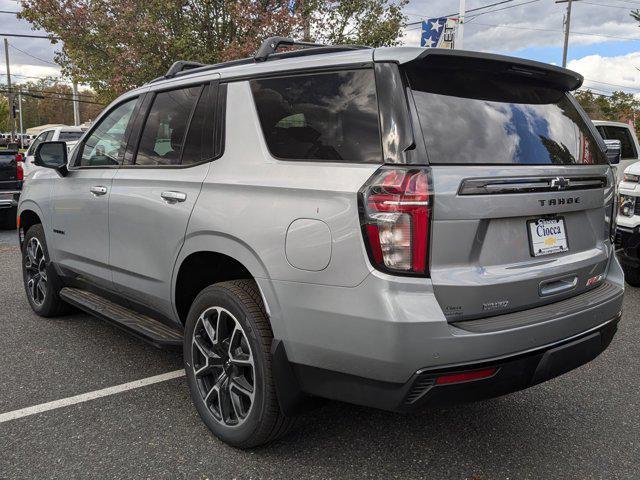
[
  {"x": 632, "y": 275},
  {"x": 8, "y": 219},
  {"x": 37, "y": 267},
  {"x": 226, "y": 380}
]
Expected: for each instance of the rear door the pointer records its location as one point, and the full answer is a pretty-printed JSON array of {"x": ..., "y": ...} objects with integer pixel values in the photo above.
[
  {"x": 522, "y": 191},
  {"x": 156, "y": 189}
]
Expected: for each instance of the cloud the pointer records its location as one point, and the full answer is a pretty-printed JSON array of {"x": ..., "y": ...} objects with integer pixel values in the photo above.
[
  {"x": 532, "y": 25},
  {"x": 606, "y": 74}
]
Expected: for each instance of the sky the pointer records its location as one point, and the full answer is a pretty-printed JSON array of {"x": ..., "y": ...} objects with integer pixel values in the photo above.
[{"x": 604, "y": 45}]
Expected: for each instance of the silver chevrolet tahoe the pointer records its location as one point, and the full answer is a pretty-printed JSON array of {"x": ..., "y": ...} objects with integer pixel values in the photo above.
[{"x": 392, "y": 227}]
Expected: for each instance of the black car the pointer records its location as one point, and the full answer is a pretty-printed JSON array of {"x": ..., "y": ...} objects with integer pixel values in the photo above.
[{"x": 11, "y": 178}]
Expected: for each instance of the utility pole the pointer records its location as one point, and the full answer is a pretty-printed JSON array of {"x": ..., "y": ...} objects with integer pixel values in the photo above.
[
  {"x": 567, "y": 26},
  {"x": 76, "y": 105},
  {"x": 21, "y": 130},
  {"x": 12, "y": 119},
  {"x": 460, "y": 34}
]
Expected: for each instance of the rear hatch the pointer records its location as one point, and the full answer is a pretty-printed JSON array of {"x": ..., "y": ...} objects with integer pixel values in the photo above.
[
  {"x": 9, "y": 171},
  {"x": 523, "y": 193}
]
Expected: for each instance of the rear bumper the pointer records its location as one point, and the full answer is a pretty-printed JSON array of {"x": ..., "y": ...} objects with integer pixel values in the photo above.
[
  {"x": 9, "y": 199},
  {"x": 422, "y": 390},
  {"x": 387, "y": 329},
  {"x": 628, "y": 245}
]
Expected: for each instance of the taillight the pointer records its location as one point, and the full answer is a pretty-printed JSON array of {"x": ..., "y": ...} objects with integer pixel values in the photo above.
[
  {"x": 19, "y": 157},
  {"x": 395, "y": 213},
  {"x": 19, "y": 171}
]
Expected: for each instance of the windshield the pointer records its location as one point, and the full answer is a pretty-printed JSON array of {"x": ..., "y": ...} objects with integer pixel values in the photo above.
[
  {"x": 69, "y": 136},
  {"x": 490, "y": 120}
]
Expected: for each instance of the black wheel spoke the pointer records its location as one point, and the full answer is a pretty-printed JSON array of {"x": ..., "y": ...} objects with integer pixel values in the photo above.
[
  {"x": 35, "y": 265},
  {"x": 223, "y": 366}
]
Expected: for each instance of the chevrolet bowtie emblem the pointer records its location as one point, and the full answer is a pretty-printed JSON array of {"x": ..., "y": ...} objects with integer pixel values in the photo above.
[{"x": 560, "y": 183}]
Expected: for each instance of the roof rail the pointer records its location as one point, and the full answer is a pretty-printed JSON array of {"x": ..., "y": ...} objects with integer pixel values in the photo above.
[
  {"x": 266, "y": 51},
  {"x": 180, "y": 66},
  {"x": 271, "y": 44}
]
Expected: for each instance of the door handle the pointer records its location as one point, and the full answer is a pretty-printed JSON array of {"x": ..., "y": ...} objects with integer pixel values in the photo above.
[
  {"x": 561, "y": 285},
  {"x": 98, "y": 190},
  {"x": 173, "y": 197}
]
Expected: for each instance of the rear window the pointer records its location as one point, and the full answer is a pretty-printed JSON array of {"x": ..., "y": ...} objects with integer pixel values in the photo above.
[
  {"x": 489, "y": 120},
  {"x": 623, "y": 134},
  {"x": 69, "y": 136},
  {"x": 330, "y": 116}
]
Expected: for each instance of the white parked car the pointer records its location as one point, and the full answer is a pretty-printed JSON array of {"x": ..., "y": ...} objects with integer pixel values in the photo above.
[
  {"x": 70, "y": 135},
  {"x": 627, "y": 136}
]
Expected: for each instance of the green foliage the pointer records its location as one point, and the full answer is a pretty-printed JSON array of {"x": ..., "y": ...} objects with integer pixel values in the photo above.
[
  {"x": 619, "y": 107},
  {"x": 4, "y": 115},
  {"x": 116, "y": 45},
  {"x": 47, "y": 101},
  {"x": 362, "y": 22}
]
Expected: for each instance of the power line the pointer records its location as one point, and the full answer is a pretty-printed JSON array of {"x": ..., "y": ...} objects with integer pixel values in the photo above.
[
  {"x": 468, "y": 11},
  {"x": 554, "y": 30},
  {"x": 54, "y": 92},
  {"x": 603, "y": 5},
  {"x": 612, "y": 84},
  {"x": 46, "y": 77},
  {"x": 52, "y": 97},
  {"x": 33, "y": 56},
  {"x": 500, "y": 9}
]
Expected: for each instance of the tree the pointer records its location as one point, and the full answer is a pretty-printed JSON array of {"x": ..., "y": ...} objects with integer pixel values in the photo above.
[
  {"x": 48, "y": 101},
  {"x": 362, "y": 22},
  {"x": 619, "y": 107},
  {"x": 115, "y": 45}
]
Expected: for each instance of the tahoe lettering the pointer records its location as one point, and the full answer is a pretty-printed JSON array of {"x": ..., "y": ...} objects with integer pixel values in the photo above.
[{"x": 559, "y": 201}]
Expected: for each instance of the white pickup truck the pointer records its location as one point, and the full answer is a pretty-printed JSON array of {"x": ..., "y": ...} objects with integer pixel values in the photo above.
[
  {"x": 627, "y": 136},
  {"x": 628, "y": 230}
]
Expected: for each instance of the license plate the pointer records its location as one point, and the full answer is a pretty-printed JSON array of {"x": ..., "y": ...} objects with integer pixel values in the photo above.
[{"x": 547, "y": 236}]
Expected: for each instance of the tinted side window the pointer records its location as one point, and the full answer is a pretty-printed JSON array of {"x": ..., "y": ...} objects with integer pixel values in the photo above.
[
  {"x": 620, "y": 133},
  {"x": 106, "y": 143},
  {"x": 69, "y": 136},
  {"x": 165, "y": 128},
  {"x": 324, "y": 116},
  {"x": 199, "y": 143}
]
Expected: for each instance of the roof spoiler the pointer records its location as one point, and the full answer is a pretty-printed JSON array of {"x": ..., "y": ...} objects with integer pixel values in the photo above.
[{"x": 550, "y": 75}]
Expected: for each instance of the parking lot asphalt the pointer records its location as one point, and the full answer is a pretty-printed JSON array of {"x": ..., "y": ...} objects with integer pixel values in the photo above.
[{"x": 585, "y": 424}]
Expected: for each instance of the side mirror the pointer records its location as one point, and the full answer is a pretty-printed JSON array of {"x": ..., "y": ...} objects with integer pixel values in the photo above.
[
  {"x": 52, "y": 155},
  {"x": 614, "y": 151}
]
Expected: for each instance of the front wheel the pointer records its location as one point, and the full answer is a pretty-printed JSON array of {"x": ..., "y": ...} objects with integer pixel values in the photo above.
[
  {"x": 228, "y": 363},
  {"x": 41, "y": 283}
]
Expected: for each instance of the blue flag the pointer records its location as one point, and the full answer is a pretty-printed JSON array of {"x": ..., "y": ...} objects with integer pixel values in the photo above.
[{"x": 432, "y": 31}]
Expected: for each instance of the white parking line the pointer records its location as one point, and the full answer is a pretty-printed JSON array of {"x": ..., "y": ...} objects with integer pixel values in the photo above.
[{"x": 85, "y": 397}]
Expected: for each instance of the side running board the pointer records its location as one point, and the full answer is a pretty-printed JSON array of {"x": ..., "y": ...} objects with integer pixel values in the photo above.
[{"x": 142, "y": 326}]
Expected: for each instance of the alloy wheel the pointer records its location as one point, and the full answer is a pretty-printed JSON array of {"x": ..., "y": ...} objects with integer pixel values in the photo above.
[
  {"x": 36, "y": 271},
  {"x": 223, "y": 366}
]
